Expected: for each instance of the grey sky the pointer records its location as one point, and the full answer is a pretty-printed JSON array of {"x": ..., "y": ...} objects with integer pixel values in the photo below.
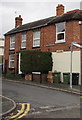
[{"x": 30, "y": 11}]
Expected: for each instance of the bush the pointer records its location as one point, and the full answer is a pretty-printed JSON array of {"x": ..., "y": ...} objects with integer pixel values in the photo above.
[
  {"x": 35, "y": 61},
  {"x": 12, "y": 76}
]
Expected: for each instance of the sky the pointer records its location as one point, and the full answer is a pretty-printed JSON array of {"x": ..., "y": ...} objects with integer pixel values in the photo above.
[{"x": 30, "y": 10}]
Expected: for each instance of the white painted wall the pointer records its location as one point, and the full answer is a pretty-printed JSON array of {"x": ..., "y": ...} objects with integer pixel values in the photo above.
[{"x": 61, "y": 62}]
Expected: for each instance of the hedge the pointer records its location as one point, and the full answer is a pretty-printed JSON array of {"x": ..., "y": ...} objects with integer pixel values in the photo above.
[{"x": 35, "y": 61}]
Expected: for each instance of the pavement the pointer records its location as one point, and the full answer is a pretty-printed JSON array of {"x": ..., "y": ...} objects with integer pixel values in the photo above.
[
  {"x": 55, "y": 86},
  {"x": 7, "y": 105},
  {"x": 76, "y": 89}
]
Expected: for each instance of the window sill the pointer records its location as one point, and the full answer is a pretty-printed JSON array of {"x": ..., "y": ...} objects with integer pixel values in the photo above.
[
  {"x": 23, "y": 48},
  {"x": 11, "y": 49},
  {"x": 36, "y": 47},
  {"x": 61, "y": 41}
]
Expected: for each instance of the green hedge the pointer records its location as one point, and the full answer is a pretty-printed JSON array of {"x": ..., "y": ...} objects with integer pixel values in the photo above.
[
  {"x": 36, "y": 61},
  {"x": 12, "y": 76}
]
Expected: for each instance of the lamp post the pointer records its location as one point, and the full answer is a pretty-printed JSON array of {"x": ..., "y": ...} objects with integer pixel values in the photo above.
[{"x": 79, "y": 46}]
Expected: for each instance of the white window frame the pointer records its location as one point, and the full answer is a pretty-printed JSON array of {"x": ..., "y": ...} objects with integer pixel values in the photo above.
[
  {"x": 23, "y": 41},
  {"x": 19, "y": 69},
  {"x": 62, "y": 40},
  {"x": 10, "y": 61},
  {"x": 12, "y": 37},
  {"x": 36, "y": 39}
]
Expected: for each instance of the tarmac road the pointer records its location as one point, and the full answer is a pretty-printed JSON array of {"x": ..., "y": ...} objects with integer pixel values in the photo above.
[
  {"x": 37, "y": 96},
  {"x": 64, "y": 113}
]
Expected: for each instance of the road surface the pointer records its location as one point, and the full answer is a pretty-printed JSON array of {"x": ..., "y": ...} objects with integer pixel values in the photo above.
[{"x": 40, "y": 97}]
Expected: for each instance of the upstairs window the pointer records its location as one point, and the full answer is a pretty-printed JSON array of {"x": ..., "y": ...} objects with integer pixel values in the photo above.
[
  {"x": 36, "y": 39},
  {"x": 23, "y": 45},
  {"x": 11, "y": 61},
  {"x": 60, "y": 32},
  {"x": 12, "y": 42}
]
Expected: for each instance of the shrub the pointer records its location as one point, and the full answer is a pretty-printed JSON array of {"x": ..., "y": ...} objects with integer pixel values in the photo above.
[
  {"x": 36, "y": 61},
  {"x": 12, "y": 76}
]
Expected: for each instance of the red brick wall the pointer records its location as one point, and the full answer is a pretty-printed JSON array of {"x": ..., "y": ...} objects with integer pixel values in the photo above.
[
  {"x": 72, "y": 33},
  {"x": 40, "y": 78},
  {"x": 47, "y": 36},
  {"x": 18, "y": 39},
  {"x": 6, "y": 53},
  {"x": 29, "y": 42}
]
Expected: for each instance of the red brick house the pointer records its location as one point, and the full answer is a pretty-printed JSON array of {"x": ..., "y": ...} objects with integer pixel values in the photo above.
[{"x": 53, "y": 34}]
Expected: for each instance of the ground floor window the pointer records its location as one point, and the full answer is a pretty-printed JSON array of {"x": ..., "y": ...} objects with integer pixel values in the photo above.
[{"x": 11, "y": 61}]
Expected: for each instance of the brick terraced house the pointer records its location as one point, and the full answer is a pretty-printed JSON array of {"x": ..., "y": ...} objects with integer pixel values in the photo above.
[{"x": 53, "y": 34}]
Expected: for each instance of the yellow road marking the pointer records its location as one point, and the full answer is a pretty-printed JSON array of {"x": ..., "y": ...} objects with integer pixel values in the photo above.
[
  {"x": 26, "y": 111},
  {"x": 20, "y": 112}
]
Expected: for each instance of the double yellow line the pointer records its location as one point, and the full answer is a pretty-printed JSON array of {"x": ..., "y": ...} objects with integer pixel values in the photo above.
[{"x": 24, "y": 110}]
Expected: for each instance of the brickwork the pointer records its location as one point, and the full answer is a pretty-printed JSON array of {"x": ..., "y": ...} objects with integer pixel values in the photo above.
[
  {"x": 18, "y": 21},
  {"x": 6, "y": 51},
  {"x": 59, "y": 10},
  {"x": 29, "y": 43},
  {"x": 40, "y": 78}
]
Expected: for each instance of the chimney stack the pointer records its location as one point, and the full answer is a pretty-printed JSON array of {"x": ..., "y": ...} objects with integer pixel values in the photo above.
[
  {"x": 59, "y": 10},
  {"x": 18, "y": 21}
]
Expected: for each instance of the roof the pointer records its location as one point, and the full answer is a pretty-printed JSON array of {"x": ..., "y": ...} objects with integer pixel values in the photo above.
[
  {"x": 72, "y": 15},
  {"x": 31, "y": 25}
]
